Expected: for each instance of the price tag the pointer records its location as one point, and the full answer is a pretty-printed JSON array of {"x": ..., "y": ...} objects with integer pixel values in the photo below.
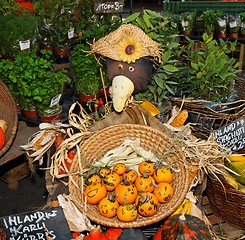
[
  {"x": 37, "y": 225},
  {"x": 62, "y": 10},
  {"x": 222, "y": 23},
  {"x": 24, "y": 45},
  {"x": 231, "y": 136},
  {"x": 233, "y": 24},
  {"x": 174, "y": 24},
  {"x": 55, "y": 100},
  {"x": 184, "y": 23},
  {"x": 70, "y": 33}
]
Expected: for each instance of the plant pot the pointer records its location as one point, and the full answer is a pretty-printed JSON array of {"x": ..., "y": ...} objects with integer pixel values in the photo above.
[
  {"x": 47, "y": 47},
  {"x": 221, "y": 35},
  {"x": 187, "y": 33},
  {"x": 29, "y": 114},
  {"x": 233, "y": 35},
  {"x": 62, "y": 55},
  {"x": 87, "y": 98},
  {"x": 48, "y": 118}
]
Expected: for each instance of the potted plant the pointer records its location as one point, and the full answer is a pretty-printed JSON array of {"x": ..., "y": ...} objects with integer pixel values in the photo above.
[
  {"x": 56, "y": 26},
  {"x": 211, "y": 71},
  {"x": 14, "y": 29},
  {"x": 187, "y": 21},
  {"x": 60, "y": 36},
  {"x": 242, "y": 17},
  {"x": 86, "y": 69},
  {"x": 234, "y": 26},
  {"x": 209, "y": 20},
  {"x": 33, "y": 81},
  {"x": 221, "y": 25}
]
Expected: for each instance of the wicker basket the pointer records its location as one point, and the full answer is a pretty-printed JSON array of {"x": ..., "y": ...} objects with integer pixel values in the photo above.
[
  {"x": 8, "y": 112},
  {"x": 150, "y": 139},
  {"x": 206, "y": 116},
  {"x": 240, "y": 87},
  {"x": 226, "y": 202}
]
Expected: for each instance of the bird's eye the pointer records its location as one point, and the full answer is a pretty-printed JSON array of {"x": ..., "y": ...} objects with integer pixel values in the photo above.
[{"x": 131, "y": 69}]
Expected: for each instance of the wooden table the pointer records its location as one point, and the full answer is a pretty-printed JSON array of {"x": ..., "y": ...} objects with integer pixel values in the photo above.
[{"x": 12, "y": 169}]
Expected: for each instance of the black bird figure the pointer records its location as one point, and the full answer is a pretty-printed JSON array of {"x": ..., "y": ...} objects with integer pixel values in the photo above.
[
  {"x": 128, "y": 79},
  {"x": 130, "y": 54}
]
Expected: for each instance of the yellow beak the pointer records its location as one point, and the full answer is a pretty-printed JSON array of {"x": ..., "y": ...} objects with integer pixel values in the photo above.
[{"x": 122, "y": 89}]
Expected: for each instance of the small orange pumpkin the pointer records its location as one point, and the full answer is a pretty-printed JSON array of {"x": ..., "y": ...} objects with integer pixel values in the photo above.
[
  {"x": 126, "y": 193},
  {"x": 145, "y": 183},
  {"x": 111, "y": 181},
  {"x": 130, "y": 176},
  {"x": 147, "y": 167},
  {"x": 147, "y": 204},
  {"x": 164, "y": 192},
  {"x": 104, "y": 171},
  {"x": 95, "y": 192},
  {"x": 94, "y": 178},
  {"x": 127, "y": 213},
  {"x": 120, "y": 168},
  {"x": 163, "y": 174},
  {"x": 108, "y": 207}
]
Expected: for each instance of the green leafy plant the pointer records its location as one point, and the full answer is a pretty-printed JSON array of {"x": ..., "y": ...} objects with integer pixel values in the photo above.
[
  {"x": 99, "y": 26},
  {"x": 221, "y": 23},
  {"x": 211, "y": 71},
  {"x": 15, "y": 28},
  {"x": 187, "y": 21},
  {"x": 56, "y": 19},
  {"x": 234, "y": 23},
  {"x": 86, "y": 70},
  {"x": 242, "y": 17},
  {"x": 209, "y": 19},
  {"x": 32, "y": 80},
  {"x": 166, "y": 74}
]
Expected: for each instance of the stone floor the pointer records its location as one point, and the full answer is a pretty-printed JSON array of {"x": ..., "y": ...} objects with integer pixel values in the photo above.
[{"x": 30, "y": 195}]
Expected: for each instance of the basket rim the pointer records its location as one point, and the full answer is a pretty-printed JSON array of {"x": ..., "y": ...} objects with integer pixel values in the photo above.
[
  {"x": 144, "y": 221},
  {"x": 13, "y": 130}
]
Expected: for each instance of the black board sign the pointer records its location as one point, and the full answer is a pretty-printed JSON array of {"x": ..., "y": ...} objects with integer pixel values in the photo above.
[
  {"x": 109, "y": 7},
  {"x": 36, "y": 225},
  {"x": 231, "y": 136}
]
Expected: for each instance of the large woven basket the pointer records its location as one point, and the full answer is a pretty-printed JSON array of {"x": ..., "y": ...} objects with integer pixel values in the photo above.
[
  {"x": 206, "y": 116},
  {"x": 240, "y": 87},
  {"x": 226, "y": 202},
  {"x": 8, "y": 112},
  {"x": 150, "y": 139}
]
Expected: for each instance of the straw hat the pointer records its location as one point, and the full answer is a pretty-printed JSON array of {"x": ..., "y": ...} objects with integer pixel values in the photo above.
[{"x": 128, "y": 43}]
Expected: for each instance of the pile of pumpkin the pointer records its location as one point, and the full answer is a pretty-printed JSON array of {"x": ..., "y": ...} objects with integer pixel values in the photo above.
[{"x": 126, "y": 192}]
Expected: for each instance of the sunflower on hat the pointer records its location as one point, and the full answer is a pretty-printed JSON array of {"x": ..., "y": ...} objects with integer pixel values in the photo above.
[
  {"x": 129, "y": 49},
  {"x": 128, "y": 43}
]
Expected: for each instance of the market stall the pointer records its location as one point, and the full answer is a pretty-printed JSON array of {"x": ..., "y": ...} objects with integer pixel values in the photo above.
[{"x": 160, "y": 141}]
